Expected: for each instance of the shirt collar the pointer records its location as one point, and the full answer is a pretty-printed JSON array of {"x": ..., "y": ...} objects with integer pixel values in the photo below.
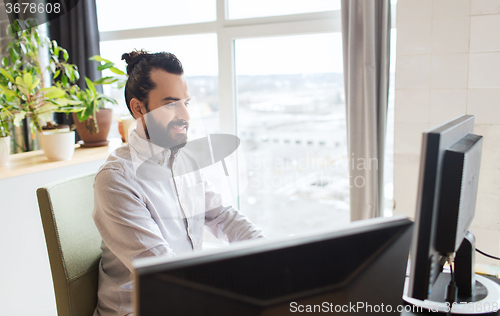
[{"x": 143, "y": 149}]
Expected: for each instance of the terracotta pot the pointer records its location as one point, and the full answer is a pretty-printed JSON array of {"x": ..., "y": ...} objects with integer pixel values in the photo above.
[{"x": 104, "y": 118}]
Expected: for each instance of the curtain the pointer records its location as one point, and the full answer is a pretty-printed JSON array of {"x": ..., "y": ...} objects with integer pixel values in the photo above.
[
  {"x": 366, "y": 51},
  {"x": 78, "y": 33}
]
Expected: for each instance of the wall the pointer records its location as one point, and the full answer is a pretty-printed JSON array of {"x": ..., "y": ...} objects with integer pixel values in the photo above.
[{"x": 448, "y": 64}]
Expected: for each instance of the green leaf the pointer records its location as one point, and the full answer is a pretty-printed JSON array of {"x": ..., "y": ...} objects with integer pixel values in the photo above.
[
  {"x": 65, "y": 54},
  {"x": 60, "y": 101},
  {"x": 46, "y": 116},
  {"x": 54, "y": 92},
  {"x": 74, "y": 102},
  {"x": 13, "y": 55},
  {"x": 18, "y": 117},
  {"x": 4, "y": 116},
  {"x": 71, "y": 109},
  {"x": 121, "y": 84},
  {"x": 117, "y": 71},
  {"x": 82, "y": 116},
  {"x": 7, "y": 91},
  {"x": 7, "y": 74},
  {"x": 35, "y": 84},
  {"x": 28, "y": 79},
  {"x": 105, "y": 80},
  {"x": 91, "y": 86},
  {"x": 23, "y": 48},
  {"x": 46, "y": 108},
  {"x": 57, "y": 73},
  {"x": 105, "y": 66},
  {"x": 20, "y": 81},
  {"x": 5, "y": 61},
  {"x": 99, "y": 59}
]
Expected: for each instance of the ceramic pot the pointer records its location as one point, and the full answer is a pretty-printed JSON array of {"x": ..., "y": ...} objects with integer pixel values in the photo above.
[
  {"x": 104, "y": 118},
  {"x": 125, "y": 125},
  {"x": 4, "y": 150},
  {"x": 57, "y": 145},
  {"x": 61, "y": 128}
]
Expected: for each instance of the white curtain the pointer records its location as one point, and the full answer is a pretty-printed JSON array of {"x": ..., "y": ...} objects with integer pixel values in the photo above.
[{"x": 366, "y": 45}]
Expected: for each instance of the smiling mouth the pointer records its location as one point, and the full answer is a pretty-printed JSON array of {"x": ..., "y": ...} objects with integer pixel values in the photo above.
[{"x": 179, "y": 128}]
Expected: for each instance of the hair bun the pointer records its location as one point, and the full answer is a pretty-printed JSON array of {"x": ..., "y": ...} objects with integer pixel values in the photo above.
[{"x": 133, "y": 58}]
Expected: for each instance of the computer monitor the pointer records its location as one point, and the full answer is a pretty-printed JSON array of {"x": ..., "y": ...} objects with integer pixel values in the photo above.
[
  {"x": 358, "y": 269},
  {"x": 449, "y": 172}
]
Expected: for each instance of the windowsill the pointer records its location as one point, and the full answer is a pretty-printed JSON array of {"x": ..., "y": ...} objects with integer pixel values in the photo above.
[{"x": 35, "y": 161}]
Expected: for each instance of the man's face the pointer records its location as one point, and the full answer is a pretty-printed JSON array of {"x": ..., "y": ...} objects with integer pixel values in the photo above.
[{"x": 167, "y": 120}]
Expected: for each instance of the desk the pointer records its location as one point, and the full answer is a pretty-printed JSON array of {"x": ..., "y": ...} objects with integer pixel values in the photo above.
[{"x": 26, "y": 287}]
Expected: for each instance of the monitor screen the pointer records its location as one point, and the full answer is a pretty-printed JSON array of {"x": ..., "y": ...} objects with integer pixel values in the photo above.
[
  {"x": 338, "y": 267},
  {"x": 449, "y": 171}
]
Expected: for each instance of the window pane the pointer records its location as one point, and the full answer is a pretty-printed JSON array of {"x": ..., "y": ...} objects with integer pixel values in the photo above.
[
  {"x": 292, "y": 126},
  {"x": 115, "y": 15},
  {"x": 200, "y": 69},
  {"x": 240, "y": 9}
]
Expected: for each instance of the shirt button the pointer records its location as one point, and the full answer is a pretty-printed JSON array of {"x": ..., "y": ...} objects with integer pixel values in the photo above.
[
  {"x": 190, "y": 231},
  {"x": 159, "y": 162}
]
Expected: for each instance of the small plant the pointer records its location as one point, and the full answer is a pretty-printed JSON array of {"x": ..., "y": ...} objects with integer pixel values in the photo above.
[
  {"x": 23, "y": 78},
  {"x": 92, "y": 100}
]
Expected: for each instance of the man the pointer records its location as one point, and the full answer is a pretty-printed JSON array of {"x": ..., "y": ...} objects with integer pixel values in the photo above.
[{"x": 150, "y": 197}]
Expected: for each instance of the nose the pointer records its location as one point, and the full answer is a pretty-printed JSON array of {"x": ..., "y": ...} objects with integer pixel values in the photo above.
[{"x": 182, "y": 112}]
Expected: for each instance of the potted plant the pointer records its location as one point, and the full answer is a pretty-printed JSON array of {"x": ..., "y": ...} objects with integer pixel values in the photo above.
[
  {"x": 5, "y": 117},
  {"x": 93, "y": 121},
  {"x": 23, "y": 86}
]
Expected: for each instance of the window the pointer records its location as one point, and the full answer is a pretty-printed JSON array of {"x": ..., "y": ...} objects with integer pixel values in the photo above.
[
  {"x": 133, "y": 14},
  {"x": 198, "y": 54},
  {"x": 240, "y": 9},
  {"x": 269, "y": 72},
  {"x": 290, "y": 89}
]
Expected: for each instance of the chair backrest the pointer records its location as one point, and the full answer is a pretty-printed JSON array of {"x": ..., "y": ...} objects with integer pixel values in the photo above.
[{"x": 73, "y": 243}]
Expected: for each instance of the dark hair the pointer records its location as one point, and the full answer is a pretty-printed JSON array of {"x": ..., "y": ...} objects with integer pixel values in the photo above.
[{"x": 139, "y": 66}]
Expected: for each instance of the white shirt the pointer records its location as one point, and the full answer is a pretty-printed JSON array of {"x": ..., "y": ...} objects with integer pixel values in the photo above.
[{"x": 140, "y": 210}]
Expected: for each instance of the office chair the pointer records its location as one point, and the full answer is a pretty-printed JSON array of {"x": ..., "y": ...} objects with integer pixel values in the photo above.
[{"x": 73, "y": 243}]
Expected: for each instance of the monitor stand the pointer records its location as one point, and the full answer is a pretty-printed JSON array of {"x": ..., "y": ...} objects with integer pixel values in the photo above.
[
  {"x": 486, "y": 297},
  {"x": 476, "y": 294}
]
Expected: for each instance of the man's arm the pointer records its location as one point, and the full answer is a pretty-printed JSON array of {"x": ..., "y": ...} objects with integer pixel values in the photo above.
[
  {"x": 123, "y": 220},
  {"x": 223, "y": 219}
]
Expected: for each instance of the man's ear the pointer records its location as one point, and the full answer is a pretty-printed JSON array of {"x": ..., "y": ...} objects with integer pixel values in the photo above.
[{"x": 136, "y": 108}]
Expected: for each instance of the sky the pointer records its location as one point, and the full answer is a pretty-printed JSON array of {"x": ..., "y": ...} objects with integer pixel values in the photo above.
[{"x": 315, "y": 53}]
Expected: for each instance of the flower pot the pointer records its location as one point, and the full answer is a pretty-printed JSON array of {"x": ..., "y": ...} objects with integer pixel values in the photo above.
[
  {"x": 4, "y": 150},
  {"x": 104, "y": 118},
  {"x": 58, "y": 128},
  {"x": 125, "y": 125},
  {"x": 58, "y": 145}
]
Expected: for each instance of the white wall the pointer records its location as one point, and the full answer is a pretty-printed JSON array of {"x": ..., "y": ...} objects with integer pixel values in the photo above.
[
  {"x": 448, "y": 64},
  {"x": 26, "y": 281}
]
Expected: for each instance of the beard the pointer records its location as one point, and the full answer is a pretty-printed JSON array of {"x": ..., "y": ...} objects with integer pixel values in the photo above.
[{"x": 165, "y": 136}]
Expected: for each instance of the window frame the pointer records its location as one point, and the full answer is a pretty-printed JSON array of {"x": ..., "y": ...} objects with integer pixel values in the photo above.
[{"x": 227, "y": 31}]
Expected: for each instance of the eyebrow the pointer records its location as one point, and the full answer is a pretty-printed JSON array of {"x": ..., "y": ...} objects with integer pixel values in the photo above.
[
  {"x": 174, "y": 99},
  {"x": 170, "y": 99}
]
